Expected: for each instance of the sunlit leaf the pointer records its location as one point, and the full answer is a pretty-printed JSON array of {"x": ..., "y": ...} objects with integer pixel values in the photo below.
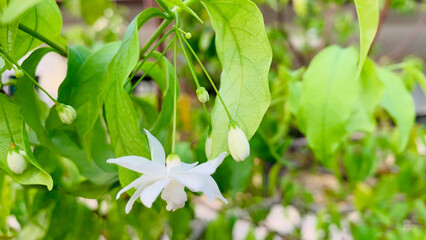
[
  {"x": 15, "y": 9},
  {"x": 245, "y": 54}
]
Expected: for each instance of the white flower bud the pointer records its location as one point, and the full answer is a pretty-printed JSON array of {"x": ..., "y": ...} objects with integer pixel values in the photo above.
[
  {"x": 208, "y": 146},
  {"x": 173, "y": 160},
  {"x": 238, "y": 143},
  {"x": 16, "y": 160},
  {"x": 188, "y": 35},
  {"x": 66, "y": 113},
  {"x": 202, "y": 94},
  {"x": 19, "y": 73}
]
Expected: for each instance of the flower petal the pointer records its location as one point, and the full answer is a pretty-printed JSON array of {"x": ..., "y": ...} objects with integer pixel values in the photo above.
[
  {"x": 132, "y": 200},
  {"x": 138, "y": 164},
  {"x": 210, "y": 166},
  {"x": 157, "y": 151},
  {"x": 201, "y": 183},
  {"x": 175, "y": 196},
  {"x": 142, "y": 181},
  {"x": 151, "y": 193}
]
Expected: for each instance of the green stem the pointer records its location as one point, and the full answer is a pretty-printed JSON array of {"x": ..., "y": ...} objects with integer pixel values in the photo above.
[
  {"x": 148, "y": 56},
  {"x": 152, "y": 66},
  {"x": 60, "y": 49},
  {"x": 7, "y": 122},
  {"x": 396, "y": 66},
  {"x": 9, "y": 58},
  {"x": 164, "y": 7},
  {"x": 154, "y": 37},
  {"x": 208, "y": 76},
  {"x": 188, "y": 60},
  {"x": 174, "y": 94}
]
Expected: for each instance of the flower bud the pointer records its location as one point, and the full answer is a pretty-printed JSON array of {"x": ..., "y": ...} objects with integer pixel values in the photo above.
[
  {"x": 173, "y": 160},
  {"x": 238, "y": 143},
  {"x": 208, "y": 146},
  {"x": 66, "y": 113},
  {"x": 188, "y": 35},
  {"x": 202, "y": 94},
  {"x": 19, "y": 73},
  {"x": 16, "y": 159}
]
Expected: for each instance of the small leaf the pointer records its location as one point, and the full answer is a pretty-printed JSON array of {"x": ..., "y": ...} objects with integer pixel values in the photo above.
[
  {"x": 398, "y": 102},
  {"x": 327, "y": 99},
  {"x": 245, "y": 54},
  {"x": 34, "y": 174},
  {"x": 368, "y": 18}
]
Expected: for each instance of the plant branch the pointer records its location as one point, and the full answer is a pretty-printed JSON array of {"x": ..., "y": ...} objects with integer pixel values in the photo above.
[{"x": 60, "y": 49}]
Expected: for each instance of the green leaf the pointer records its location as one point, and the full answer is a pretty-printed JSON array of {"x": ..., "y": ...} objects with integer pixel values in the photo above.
[
  {"x": 44, "y": 18},
  {"x": 398, "y": 102},
  {"x": 370, "y": 93},
  {"x": 183, "y": 6},
  {"x": 327, "y": 99},
  {"x": 27, "y": 97},
  {"x": 162, "y": 73},
  {"x": 15, "y": 9},
  {"x": 121, "y": 117},
  {"x": 245, "y": 54},
  {"x": 8, "y": 32},
  {"x": 87, "y": 89},
  {"x": 368, "y": 18},
  {"x": 34, "y": 174}
]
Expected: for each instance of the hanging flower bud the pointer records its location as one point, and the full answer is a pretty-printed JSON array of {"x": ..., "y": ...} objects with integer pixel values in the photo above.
[
  {"x": 202, "y": 94},
  {"x": 188, "y": 35},
  {"x": 66, "y": 113},
  {"x": 16, "y": 159},
  {"x": 208, "y": 146},
  {"x": 19, "y": 73},
  {"x": 237, "y": 142},
  {"x": 173, "y": 160}
]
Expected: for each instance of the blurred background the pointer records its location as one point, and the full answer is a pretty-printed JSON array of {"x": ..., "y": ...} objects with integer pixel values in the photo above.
[{"x": 283, "y": 193}]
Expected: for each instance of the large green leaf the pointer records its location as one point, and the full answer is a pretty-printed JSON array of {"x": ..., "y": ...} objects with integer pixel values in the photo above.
[
  {"x": 87, "y": 89},
  {"x": 245, "y": 54},
  {"x": 28, "y": 99},
  {"x": 370, "y": 92},
  {"x": 34, "y": 174},
  {"x": 399, "y": 104},
  {"x": 44, "y": 18},
  {"x": 327, "y": 99},
  {"x": 368, "y": 18},
  {"x": 15, "y": 9},
  {"x": 121, "y": 117}
]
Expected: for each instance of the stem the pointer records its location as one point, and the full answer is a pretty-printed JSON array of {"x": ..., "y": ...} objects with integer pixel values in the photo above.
[
  {"x": 154, "y": 37},
  {"x": 152, "y": 66},
  {"x": 188, "y": 60},
  {"x": 148, "y": 56},
  {"x": 208, "y": 76},
  {"x": 9, "y": 58},
  {"x": 7, "y": 122},
  {"x": 396, "y": 66},
  {"x": 164, "y": 7},
  {"x": 175, "y": 94},
  {"x": 60, "y": 49}
]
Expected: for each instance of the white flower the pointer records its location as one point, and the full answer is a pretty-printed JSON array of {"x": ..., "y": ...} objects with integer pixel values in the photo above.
[
  {"x": 169, "y": 179},
  {"x": 16, "y": 159},
  {"x": 238, "y": 143},
  {"x": 66, "y": 113}
]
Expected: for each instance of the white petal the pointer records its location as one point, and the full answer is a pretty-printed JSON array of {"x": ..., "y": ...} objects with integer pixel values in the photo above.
[
  {"x": 156, "y": 149},
  {"x": 201, "y": 183},
  {"x": 132, "y": 200},
  {"x": 210, "y": 166},
  {"x": 151, "y": 193},
  {"x": 142, "y": 181},
  {"x": 175, "y": 196},
  {"x": 137, "y": 164}
]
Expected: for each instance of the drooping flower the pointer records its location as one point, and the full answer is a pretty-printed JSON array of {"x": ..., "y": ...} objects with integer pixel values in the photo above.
[
  {"x": 168, "y": 177},
  {"x": 16, "y": 159},
  {"x": 237, "y": 142},
  {"x": 66, "y": 113}
]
